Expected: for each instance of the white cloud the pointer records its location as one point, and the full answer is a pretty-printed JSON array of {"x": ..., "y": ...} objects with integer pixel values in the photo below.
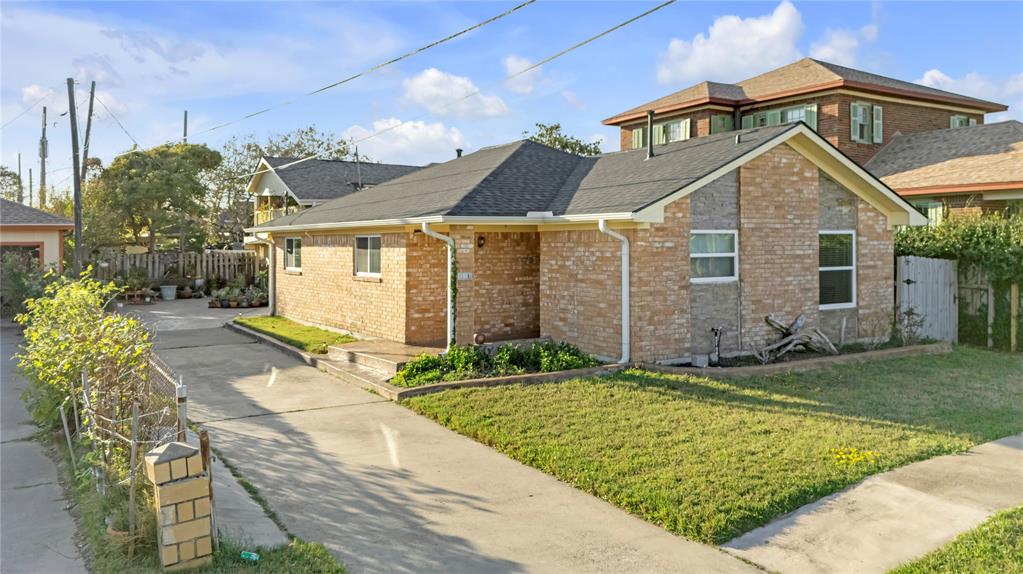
[
  {"x": 573, "y": 100},
  {"x": 869, "y": 32},
  {"x": 32, "y": 93},
  {"x": 447, "y": 94},
  {"x": 740, "y": 47},
  {"x": 415, "y": 142},
  {"x": 525, "y": 83},
  {"x": 1007, "y": 90},
  {"x": 839, "y": 47}
]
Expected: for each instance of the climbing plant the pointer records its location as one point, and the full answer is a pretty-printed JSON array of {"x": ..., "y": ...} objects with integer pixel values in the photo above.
[{"x": 993, "y": 242}]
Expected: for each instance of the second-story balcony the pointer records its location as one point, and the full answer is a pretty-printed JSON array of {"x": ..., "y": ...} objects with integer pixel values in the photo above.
[{"x": 263, "y": 215}]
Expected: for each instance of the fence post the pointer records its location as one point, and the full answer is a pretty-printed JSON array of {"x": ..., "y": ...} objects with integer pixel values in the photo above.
[
  {"x": 67, "y": 435},
  {"x": 204, "y": 451},
  {"x": 181, "y": 393},
  {"x": 131, "y": 471},
  {"x": 1014, "y": 317},
  {"x": 990, "y": 315}
]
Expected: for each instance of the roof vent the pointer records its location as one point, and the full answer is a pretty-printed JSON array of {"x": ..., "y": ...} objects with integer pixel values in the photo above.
[
  {"x": 738, "y": 139},
  {"x": 458, "y": 152}
]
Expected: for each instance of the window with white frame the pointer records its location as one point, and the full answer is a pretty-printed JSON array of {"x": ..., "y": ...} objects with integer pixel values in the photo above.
[
  {"x": 672, "y": 131},
  {"x": 714, "y": 256},
  {"x": 866, "y": 123},
  {"x": 961, "y": 122},
  {"x": 638, "y": 137},
  {"x": 293, "y": 253},
  {"x": 837, "y": 269},
  {"x": 367, "y": 255}
]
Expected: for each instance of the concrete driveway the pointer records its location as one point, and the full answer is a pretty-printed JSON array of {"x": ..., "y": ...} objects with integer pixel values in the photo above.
[
  {"x": 389, "y": 491},
  {"x": 36, "y": 533},
  {"x": 186, "y": 314}
]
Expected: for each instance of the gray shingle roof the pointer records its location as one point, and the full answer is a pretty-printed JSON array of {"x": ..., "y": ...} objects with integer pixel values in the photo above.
[
  {"x": 14, "y": 213},
  {"x": 990, "y": 153},
  {"x": 513, "y": 179},
  {"x": 322, "y": 179}
]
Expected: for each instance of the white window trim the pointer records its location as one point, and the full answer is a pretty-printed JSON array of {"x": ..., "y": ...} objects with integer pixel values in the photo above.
[
  {"x": 734, "y": 255},
  {"x": 851, "y": 305},
  {"x": 355, "y": 250},
  {"x": 288, "y": 240}
]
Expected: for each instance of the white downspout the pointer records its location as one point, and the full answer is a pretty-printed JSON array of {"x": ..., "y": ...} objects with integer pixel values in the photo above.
[
  {"x": 451, "y": 263},
  {"x": 626, "y": 319},
  {"x": 272, "y": 280}
]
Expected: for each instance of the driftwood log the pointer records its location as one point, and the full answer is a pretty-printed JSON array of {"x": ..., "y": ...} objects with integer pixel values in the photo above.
[{"x": 794, "y": 336}]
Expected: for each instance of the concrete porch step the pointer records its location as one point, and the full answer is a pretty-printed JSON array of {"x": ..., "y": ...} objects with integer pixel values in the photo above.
[{"x": 387, "y": 357}]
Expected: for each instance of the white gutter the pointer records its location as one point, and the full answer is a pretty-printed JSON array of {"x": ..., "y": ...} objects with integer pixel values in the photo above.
[
  {"x": 452, "y": 219},
  {"x": 626, "y": 319},
  {"x": 451, "y": 264}
]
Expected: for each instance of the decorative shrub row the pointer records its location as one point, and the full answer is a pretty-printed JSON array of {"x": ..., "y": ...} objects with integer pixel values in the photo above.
[
  {"x": 470, "y": 362},
  {"x": 993, "y": 242}
]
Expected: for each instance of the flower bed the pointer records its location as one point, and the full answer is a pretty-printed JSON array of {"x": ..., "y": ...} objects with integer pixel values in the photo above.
[{"x": 469, "y": 362}]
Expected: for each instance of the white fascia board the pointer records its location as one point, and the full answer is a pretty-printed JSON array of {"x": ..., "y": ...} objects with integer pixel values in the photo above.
[{"x": 448, "y": 219}]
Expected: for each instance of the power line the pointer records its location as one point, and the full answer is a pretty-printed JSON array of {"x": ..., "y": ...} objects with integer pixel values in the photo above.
[
  {"x": 26, "y": 110},
  {"x": 371, "y": 69},
  {"x": 119, "y": 124},
  {"x": 477, "y": 91}
]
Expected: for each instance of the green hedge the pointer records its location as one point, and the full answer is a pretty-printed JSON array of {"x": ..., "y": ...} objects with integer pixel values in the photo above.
[
  {"x": 462, "y": 363},
  {"x": 994, "y": 242}
]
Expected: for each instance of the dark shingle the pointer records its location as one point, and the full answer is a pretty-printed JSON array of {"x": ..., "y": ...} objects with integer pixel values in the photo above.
[
  {"x": 14, "y": 213},
  {"x": 322, "y": 179}
]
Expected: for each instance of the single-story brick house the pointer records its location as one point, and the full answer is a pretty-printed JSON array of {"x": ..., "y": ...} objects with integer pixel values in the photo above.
[{"x": 671, "y": 242}]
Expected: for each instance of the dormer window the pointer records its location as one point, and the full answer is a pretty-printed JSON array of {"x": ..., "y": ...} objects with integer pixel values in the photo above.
[
  {"x": 961, "y": 122},
  {"x": 673, "y": 131}
]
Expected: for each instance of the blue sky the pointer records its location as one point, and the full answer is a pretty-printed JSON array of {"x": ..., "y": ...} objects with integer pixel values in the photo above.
[{"x": 222, "y": 60}]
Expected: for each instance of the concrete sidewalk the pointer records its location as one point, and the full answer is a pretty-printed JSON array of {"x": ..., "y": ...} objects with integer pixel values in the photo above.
[
  {"x": 36, "y": 532},
  {"x": 891, "y": 518},
  {"x": 389, "y": 491}
]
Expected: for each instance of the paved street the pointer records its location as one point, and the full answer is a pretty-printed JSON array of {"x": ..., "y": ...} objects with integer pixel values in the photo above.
[
  {"x": 36, "y": 533},
  {"x": 389, "y": 491}
]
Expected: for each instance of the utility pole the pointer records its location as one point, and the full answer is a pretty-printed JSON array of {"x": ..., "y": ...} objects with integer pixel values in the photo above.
[
  {"x": 21, "y": 185},
  {"x": 73, "y": 116},
  {"x": 186, "y": 127},
  {"x": 88, "y": 131},
  {"x": 44, "y": 151},
  {"x": 181, "y": 223},
  {"x": 30, "y": 187}
]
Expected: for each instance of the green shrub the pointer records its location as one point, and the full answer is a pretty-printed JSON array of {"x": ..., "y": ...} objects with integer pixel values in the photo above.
[
  {"x": 993, "y": 242},
  {"x": 22, "y": 280},
  {"x": 469, "y": 362}
]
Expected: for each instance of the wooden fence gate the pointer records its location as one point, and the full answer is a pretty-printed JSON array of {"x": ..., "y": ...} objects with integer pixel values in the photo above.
[{"x": 930, "y": 288}]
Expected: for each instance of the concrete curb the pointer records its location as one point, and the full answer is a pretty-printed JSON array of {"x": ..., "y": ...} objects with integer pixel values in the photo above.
[
  {"x": 803, "y": 365},
  {"x": 396, "y": 393}
]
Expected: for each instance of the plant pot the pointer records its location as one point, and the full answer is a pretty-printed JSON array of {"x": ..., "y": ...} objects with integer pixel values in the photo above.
[
  {"x": 225, "y": 303},
  {"x": 168, "y": 292},
  {"x": 232, "y": 304},
  {"x": 186, "y": 293},
  {"x": 199, "y": 283},
  {"x": 213, "y": 304}
]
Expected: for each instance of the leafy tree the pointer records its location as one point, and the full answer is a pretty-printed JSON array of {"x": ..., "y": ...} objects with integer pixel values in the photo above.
[
  {"x": 229, "y": 208},
  {"x": 157, "y": 192},
  {"x": 10, "y": 184},
  {"x": 551, "y": 135}
]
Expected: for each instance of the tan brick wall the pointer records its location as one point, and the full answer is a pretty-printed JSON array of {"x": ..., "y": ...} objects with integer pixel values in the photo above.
[
  {"x": 875, "y": 272},
  {"x": 778, "y": 207},
  {"x": 327, "y": 292},
  {"x": 507, "y": 285},
  {"x": 580, "y": 295},
  {"x": 426, "y": 290}
]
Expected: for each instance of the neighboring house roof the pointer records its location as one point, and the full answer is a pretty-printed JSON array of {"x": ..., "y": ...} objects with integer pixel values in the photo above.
[
  {"x": 15, "y": 214},
  {"x": 525, "y": 181},
  {"x": 805, "y": 76},
  {"x": 322, "y": 179},
  {"x": 976, "y": 158}
]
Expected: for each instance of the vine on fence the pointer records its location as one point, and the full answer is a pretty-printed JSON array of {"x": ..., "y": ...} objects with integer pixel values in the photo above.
[{"x": 993, "y": 242}]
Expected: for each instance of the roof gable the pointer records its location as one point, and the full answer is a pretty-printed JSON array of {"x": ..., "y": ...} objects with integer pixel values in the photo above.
[{"x": 14, "y": 213}]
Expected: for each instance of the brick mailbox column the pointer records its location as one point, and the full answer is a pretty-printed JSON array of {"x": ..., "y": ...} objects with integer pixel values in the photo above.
[{"x": 182, "y": 488}]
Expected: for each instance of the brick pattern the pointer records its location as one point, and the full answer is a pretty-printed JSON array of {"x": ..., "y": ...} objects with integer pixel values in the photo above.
[
  {"x": 507, "y": 285},
  {"x": 580, "y": 295},
  {"x": 426, "y": 291},
  {"x": 327, "y": 291},
  {"x": 465, "y": 313},
  {"x": 875, "y": 272},
  {"x": 778, "y": 206},
  {"x": 182, "y": 499}
]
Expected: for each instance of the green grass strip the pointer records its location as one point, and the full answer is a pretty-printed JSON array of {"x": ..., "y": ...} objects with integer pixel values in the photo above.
[
  {"x": 994, "y": 546},
  {"x": 309, "y": 339}
]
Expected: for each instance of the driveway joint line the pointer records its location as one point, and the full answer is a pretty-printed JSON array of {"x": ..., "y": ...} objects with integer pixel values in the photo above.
[{"x": 269, "y": 414}]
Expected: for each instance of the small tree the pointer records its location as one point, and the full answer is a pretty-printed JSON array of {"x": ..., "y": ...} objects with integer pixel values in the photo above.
[
  {"x": 551, "y": 135},
  {"x": 10, "y": 184}
]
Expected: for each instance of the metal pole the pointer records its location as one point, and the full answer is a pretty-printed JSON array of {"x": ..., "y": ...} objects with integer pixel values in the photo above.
[
  {"x": 131, "y": 467},
  {"x": 44, "y": 151},
  {"x": 181, "y": 393},
  {"x": 73, "y": 115},
  {"x": 185, "y": 134},
  {"x": 88, "y": 131},
  {"x": 21, "y": 186},
  {"x": 67, "y": 435},
  {"x": 204, "y": 450}
]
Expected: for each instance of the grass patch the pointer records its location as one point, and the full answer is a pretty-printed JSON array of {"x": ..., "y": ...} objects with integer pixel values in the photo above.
[
  {"x": 995, "y": 546},
  {"x": 470, "y": 362},
  {"x": 711, "y": 460},
  {"x": 309, "y": 339}
]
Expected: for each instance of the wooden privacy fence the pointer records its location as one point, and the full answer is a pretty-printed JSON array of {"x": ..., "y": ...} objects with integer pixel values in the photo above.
[
  {"x": 927, "y": 288},
  {"x": 989, "y": 312},
  {"x": 211, "y": 263}
]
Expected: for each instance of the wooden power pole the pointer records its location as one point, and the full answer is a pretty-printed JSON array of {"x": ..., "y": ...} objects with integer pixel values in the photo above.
[
  {"x": 21, "y": 185},
  {"x": 75, "y": 173},
  {"x": 88, "y": 131},
  {"x": 30, "y": 187},
  {"x": 44, "y": 151}
]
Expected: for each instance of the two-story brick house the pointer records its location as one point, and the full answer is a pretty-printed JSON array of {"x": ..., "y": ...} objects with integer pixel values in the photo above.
[{"x": 857, "y": 112}]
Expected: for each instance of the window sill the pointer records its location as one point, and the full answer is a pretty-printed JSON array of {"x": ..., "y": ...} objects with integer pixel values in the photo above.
[
  {"x": 833, "y": 306},
  {"x": 292, "y": 271},
  {"x": 368, "y": 278},
  {"x": 714, "y": 280}
]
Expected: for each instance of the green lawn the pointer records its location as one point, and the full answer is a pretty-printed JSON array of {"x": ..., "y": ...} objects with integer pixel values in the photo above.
[
  {"x": 309, "y": 339},
  {"x": 995, "y": 546},
  {"x": 711, "y": 460}
]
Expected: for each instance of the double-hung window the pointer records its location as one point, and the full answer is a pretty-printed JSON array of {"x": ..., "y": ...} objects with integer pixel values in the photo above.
[
  {"x": 293, "y": 253},
  {"x": 866, "y": 123},
  {"x": 806, "y": 113},
  {"x": 837, "y": 269},
  {"x": 961, "y": 122},
  {"x": 367, "y": 255},
  {"x": 672, "y": 131},
  {"x": 714, "y": 256},
  {"x": 638, "y": 137}
]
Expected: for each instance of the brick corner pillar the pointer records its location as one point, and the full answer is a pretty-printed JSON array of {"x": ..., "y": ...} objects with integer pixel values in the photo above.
[
  {"x": 465, "y": 307},
  {"x": 182, "y": 494}
]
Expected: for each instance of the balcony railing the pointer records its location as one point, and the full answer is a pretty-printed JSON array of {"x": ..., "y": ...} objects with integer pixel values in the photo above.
[{"x": 262, "y": 216}]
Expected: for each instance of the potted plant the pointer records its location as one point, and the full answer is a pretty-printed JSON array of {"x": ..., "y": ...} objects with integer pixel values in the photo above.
[
  {"x": 223, "y": 295},
  {"x": 234, "y": 294}
]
